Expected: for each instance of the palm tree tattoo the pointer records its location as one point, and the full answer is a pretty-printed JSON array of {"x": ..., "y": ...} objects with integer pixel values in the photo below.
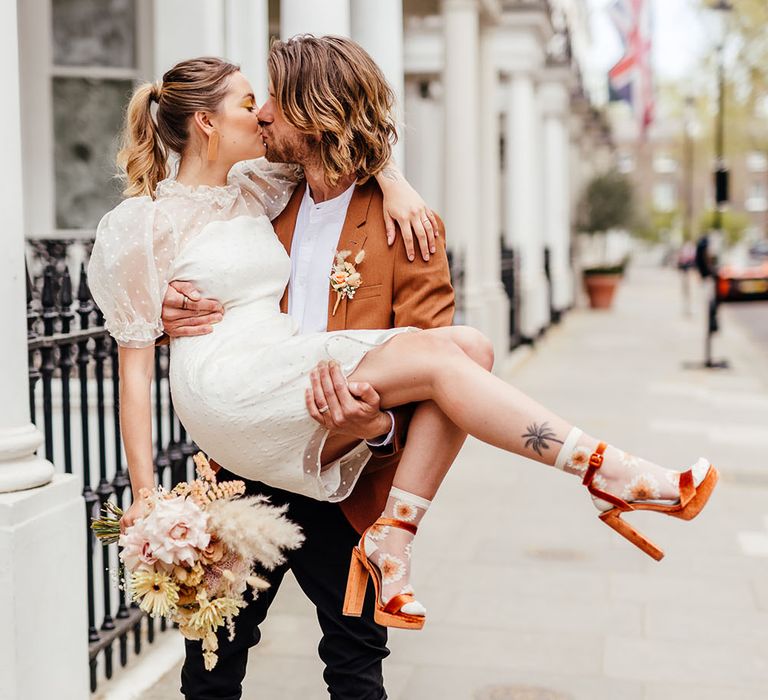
[{"x": 538, "y": 437}]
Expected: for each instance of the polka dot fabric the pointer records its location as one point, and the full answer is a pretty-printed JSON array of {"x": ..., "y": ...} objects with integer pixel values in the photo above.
[{"x": 239, "y": 391}]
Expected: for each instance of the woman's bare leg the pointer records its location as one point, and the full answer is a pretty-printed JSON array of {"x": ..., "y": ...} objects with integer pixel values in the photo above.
[
  {"x": 434, "y": 365},
  {"x": 431, "y": 365},
  {"x": 445, "y": 368},
  {"x": 433, "y": 438}
]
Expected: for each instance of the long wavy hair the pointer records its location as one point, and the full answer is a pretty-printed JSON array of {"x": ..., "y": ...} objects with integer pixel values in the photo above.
[
  {"x": 329, "y": 86},
  {"x": 196, "y": 85}
]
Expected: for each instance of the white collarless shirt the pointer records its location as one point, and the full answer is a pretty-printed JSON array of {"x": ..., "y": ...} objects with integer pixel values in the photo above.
[{"x": 315, "y": 242}]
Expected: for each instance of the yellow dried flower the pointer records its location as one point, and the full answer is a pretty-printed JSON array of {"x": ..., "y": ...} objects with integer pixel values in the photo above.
[
  {"x": 189, "y": 577},
  {"x": 210, "y": 659},
  {"x": 212, "y": 612},
  {"x": 155, "y": 592}
]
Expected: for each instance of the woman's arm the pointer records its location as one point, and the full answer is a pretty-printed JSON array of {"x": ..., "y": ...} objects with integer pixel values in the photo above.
[
  {"x": 136, "y": 370},
  {"x": 404, "y": 205}
]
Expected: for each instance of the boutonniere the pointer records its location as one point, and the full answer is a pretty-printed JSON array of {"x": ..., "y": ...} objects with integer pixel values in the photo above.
[{"x": 345, "y": 279}]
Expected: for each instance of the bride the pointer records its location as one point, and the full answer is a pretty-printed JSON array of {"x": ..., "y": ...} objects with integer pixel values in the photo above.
[{"x": 240, "y": 391}]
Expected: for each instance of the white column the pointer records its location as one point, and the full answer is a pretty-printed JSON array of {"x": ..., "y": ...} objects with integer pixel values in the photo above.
[
  {"x": 524, "y": 210},
  {"x": 377, "y": 25},
  {"x": 19, "y": 438},
  {"x": 314, "y": 17},
  {"x": 554, "y": 97},
  {"x": 42, "y": 516},
  {"x": 187, "y": 29},
  {"x": 493, "y": 299},
  {"x": 423, "y": 159},
  {"x": 461, "y": 138},
  {"x": 246, "y": 41}
]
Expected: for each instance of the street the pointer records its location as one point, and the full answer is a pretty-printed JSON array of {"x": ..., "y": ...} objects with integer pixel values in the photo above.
[
  {"x": 753, "y": 317},
  {"x": 529, "y": 594}
]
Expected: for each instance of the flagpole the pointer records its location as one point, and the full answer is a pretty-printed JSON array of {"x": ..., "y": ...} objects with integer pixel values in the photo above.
[{"x": 721, "y": 172}]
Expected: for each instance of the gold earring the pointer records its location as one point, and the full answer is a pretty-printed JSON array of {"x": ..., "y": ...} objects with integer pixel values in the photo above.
[{"x": 213, "y": 145}]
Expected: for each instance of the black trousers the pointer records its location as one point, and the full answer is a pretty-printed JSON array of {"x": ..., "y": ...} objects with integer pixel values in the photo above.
[{"x": 352, "y": 648}]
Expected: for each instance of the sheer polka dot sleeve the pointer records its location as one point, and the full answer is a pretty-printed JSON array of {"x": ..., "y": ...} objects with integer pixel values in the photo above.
[
  {"x": 129, "y": 270},
  {"x": 266, "y": 186}
]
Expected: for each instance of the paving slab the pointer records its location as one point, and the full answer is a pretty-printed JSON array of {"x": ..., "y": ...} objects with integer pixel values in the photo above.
[{"x": 529, "y": 595}]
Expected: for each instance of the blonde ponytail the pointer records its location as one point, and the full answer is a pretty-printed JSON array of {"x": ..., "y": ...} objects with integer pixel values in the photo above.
[
  {"x": 199, "y": 84},
  {"x": 142, "y": 156}
]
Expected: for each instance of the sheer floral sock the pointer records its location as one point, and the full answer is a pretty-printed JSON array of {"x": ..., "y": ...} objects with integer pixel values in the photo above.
[
  {"x": 389, "y": 548},
  {"x": 622, "y": 474}
]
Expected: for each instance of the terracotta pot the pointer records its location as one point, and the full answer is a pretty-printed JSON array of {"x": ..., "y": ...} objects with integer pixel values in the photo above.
[{"x": 601, "y": 289}]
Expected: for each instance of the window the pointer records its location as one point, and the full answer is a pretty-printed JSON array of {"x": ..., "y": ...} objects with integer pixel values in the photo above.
[
  {"x": 756, "y": 196},
  {"x": 80, "y": 60},
  {"x": 626, "y": 163},
  {"x": 757, "y": 162},
  {"x": 665, "y": 196},
  {"x": 663, "y": 163}
]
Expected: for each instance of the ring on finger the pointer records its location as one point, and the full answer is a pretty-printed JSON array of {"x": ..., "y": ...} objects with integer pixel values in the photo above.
[
  {"x": 324, "y": 409},
  {"x": 184, "y": 303}
]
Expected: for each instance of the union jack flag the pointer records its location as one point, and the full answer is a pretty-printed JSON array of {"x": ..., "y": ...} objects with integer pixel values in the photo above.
[{"x": 631, "y": 79}]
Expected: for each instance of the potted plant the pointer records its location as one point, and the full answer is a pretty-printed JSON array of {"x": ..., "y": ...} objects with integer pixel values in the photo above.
[{"x": 607, "y": 204}]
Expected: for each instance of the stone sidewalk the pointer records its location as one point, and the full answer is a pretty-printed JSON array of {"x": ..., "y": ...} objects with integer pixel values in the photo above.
[{"x": 530, "y": 596}]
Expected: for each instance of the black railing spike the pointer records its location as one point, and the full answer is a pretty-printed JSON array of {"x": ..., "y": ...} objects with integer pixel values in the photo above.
[
  {"x": 88, "y": 350},
  {"x": 49, "y": 288},
  {"x": 65, "y": 293},
  {"x": 83, "y": 291}
]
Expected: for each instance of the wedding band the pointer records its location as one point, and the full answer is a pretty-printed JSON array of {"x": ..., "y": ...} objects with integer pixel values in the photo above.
[
  {"x": 324, "y": 409},
  {"x": 184, "y": 303},
  {"x": 425, "y": 221}
]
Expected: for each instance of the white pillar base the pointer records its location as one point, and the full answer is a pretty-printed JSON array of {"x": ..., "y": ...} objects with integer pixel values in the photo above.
[
  {"x": 487, "y": 309},
  {"x": 19, "y": 467},
  {"x": 562, "y": 287},
  {"x": 534, "y": 304},
  {"x": 43, "y": 638}
]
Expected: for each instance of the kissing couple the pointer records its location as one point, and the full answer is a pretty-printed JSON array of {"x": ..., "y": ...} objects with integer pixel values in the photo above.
[{"x": 311, "y": 349}]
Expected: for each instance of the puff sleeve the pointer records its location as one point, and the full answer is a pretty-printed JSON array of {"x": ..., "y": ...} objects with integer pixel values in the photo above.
[
  {"x": 267, "y": 185},
  {"x": 129, "y": 270}
]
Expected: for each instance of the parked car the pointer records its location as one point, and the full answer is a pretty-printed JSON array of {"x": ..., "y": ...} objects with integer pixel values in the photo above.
[
  {"x": 759, "y": 249},
  {"x": 742, "y": 282}
]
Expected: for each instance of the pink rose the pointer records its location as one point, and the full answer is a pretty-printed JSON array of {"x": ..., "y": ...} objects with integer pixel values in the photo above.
[
  {"x": 146, "y": 554},
  {"x": 176, "y": 531}
]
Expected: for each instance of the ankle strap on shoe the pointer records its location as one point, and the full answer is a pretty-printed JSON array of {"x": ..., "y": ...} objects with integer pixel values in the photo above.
[
  {"x": 393, "y": 522},
  {"x": 595, "y": 462}
]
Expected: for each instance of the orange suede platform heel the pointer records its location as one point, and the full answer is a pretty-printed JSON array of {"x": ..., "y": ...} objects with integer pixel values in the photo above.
[
  {"x": 389, "y": 614},
  {"x": 693, "y": 497}
]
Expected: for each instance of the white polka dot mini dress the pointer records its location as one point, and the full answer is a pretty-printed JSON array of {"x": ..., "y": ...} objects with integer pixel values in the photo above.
[{"x": 239, "y": 391}]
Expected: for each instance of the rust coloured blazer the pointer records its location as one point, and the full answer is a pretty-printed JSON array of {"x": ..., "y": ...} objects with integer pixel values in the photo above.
[{"x": 395, "y": 292}]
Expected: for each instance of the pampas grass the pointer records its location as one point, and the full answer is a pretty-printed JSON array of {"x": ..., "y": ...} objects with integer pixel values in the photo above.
[{"x": 254, "y": 529}]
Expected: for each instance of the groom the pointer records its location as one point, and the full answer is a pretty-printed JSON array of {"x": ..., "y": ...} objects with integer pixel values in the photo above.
[{"x": 315, "y": 84}]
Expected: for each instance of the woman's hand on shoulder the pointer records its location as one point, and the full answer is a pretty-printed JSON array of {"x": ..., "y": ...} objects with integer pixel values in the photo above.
[{"x": 405, "y": 207}]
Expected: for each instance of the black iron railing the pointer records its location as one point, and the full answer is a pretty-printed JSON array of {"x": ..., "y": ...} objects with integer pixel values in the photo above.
[
  {"x": 510, "y": 278},
  {"x": 73, "y": 390}
]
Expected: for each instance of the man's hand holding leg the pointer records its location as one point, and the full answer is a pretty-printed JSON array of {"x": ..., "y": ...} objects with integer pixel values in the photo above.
[
  {"x": 186, "y": 313},
  {"x": 346, "y": 409}
]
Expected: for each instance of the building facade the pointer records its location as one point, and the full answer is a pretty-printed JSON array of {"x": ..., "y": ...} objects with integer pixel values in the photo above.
[
  {"x": 498, "y": 134},
  {"x": 672, "y": 169},
  {"x": 493, "y": 100}
]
